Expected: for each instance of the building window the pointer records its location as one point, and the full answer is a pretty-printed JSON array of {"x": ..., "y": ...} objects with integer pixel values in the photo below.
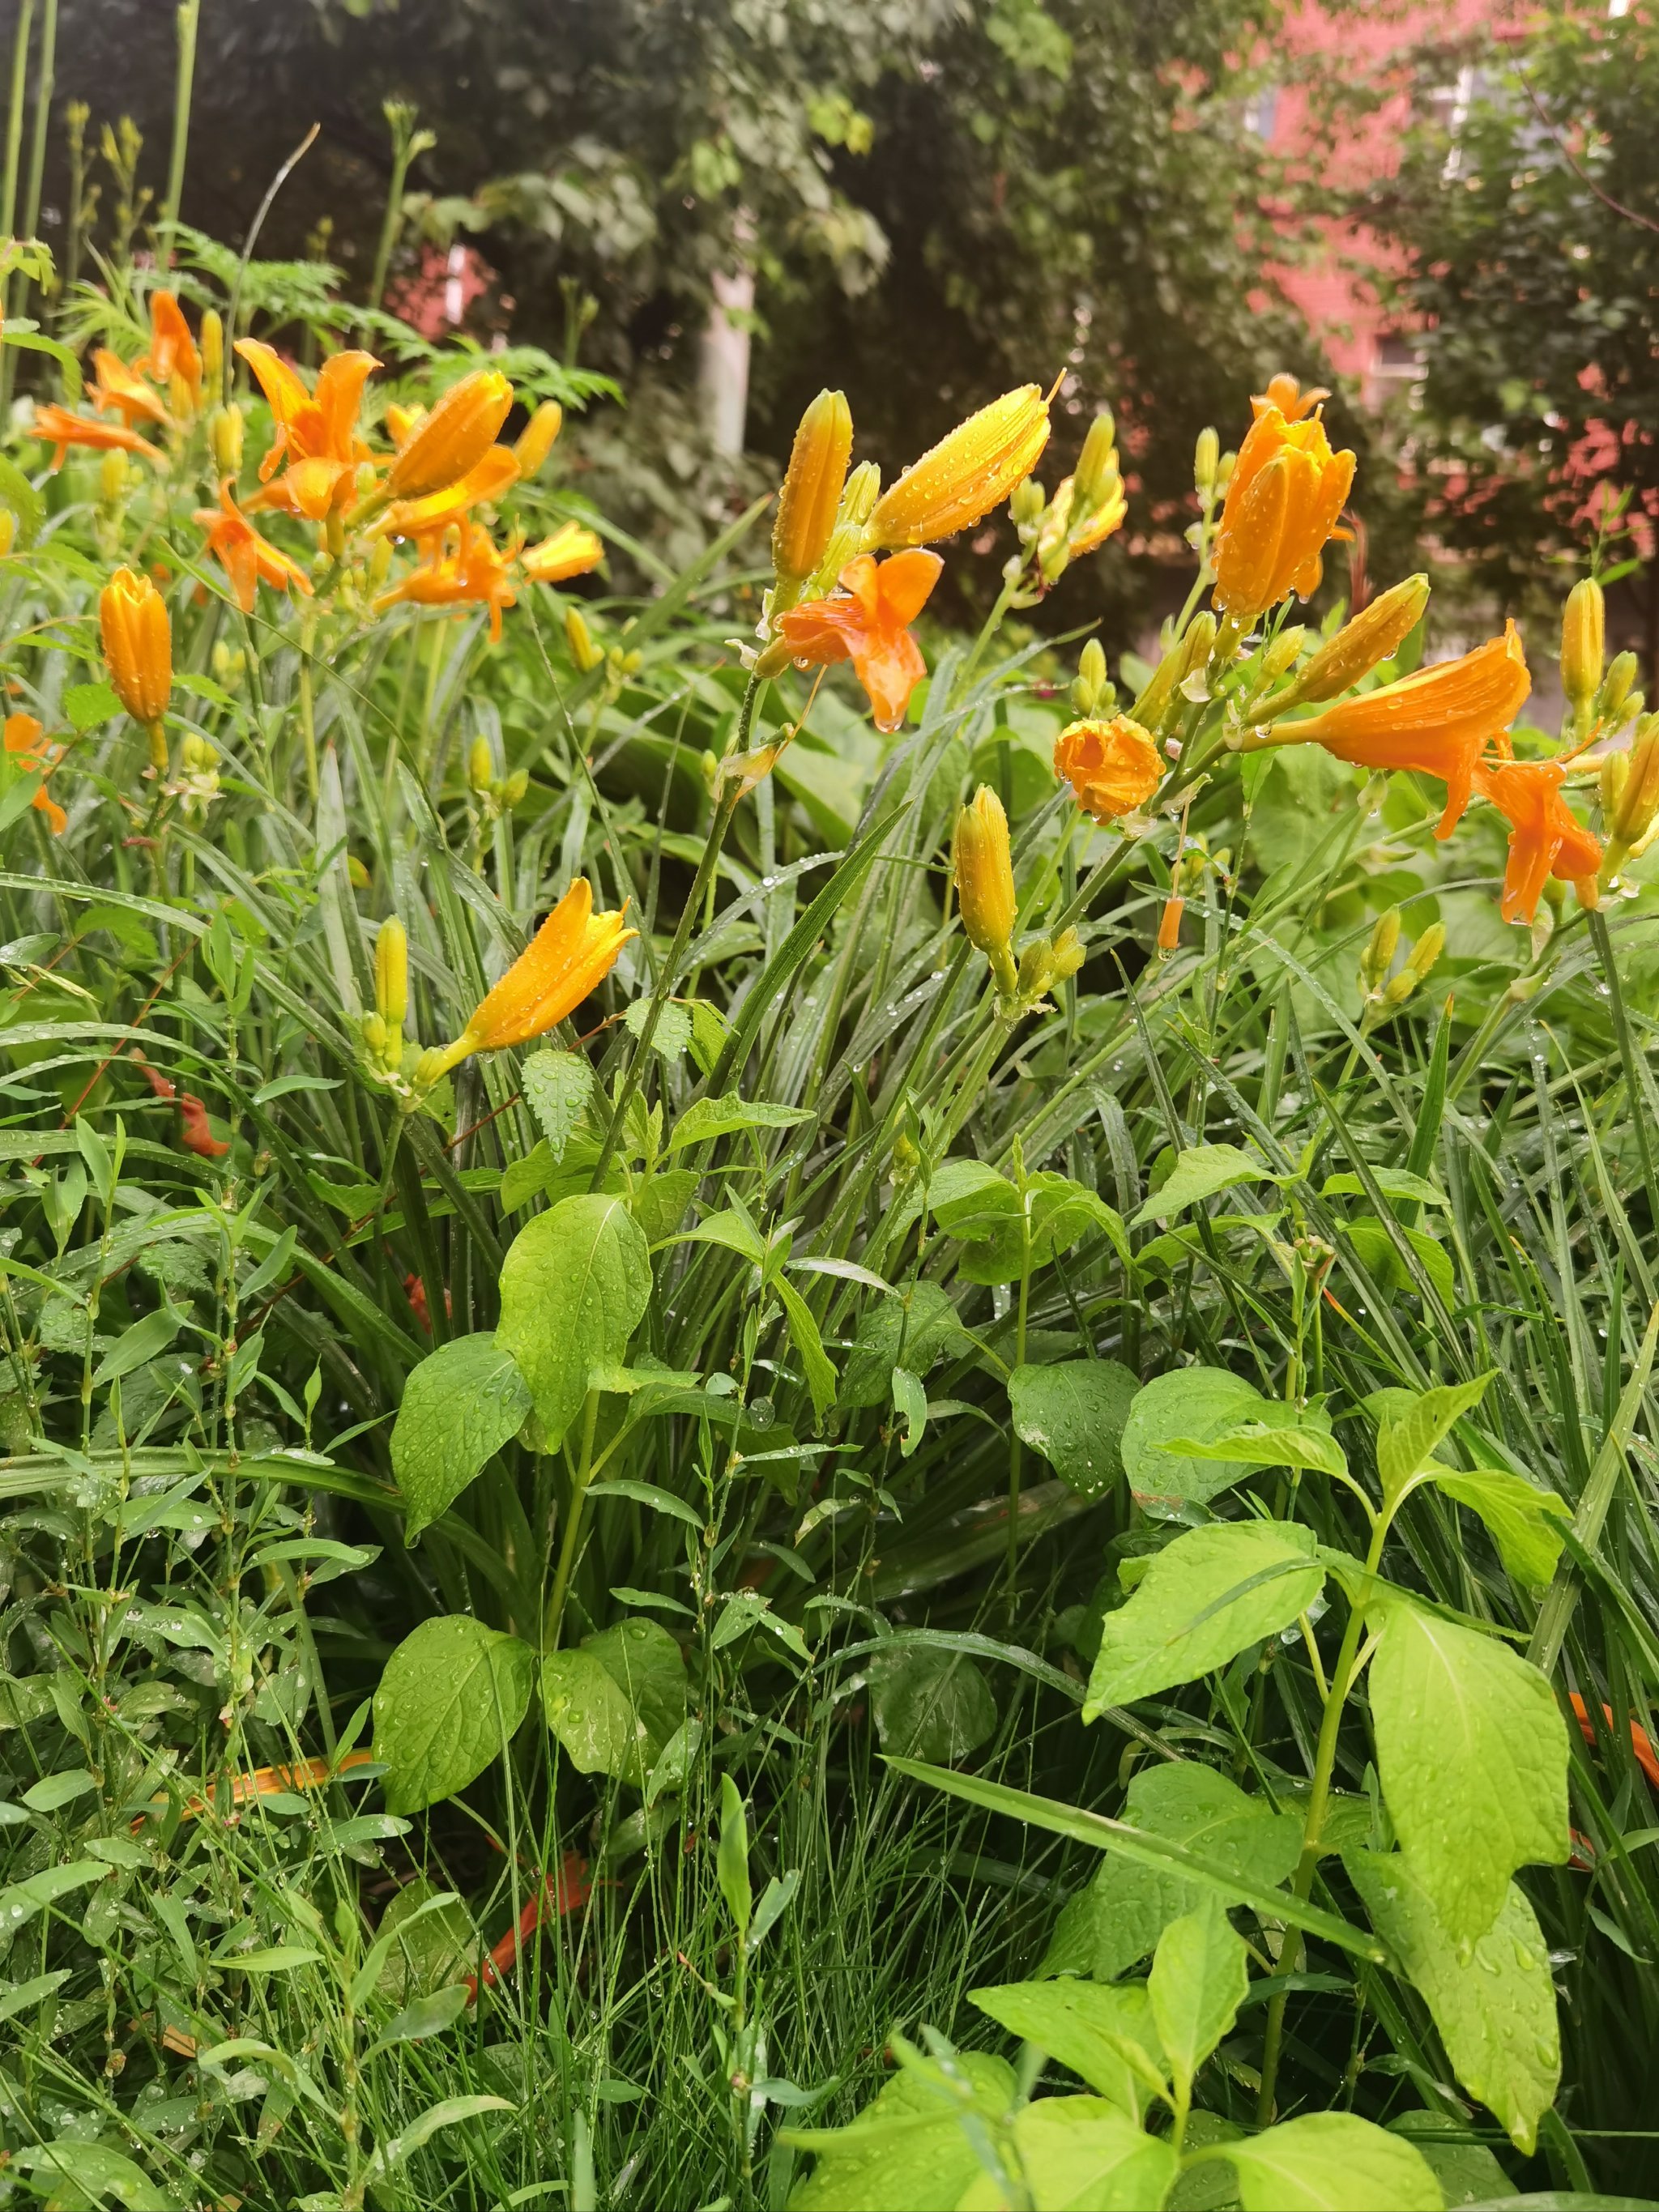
[{"x": 1261, "y": 112}]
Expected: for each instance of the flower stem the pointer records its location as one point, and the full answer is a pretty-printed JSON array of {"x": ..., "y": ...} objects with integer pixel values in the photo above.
[
  {"x": 573, "y": 1527},
  {"x": 189, "y": 15}
]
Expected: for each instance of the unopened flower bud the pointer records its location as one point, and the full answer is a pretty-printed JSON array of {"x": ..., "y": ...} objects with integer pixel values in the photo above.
[
  {"x": 1613, "y": 700},
  {"x": 181, "y": 400},
  {"x": 809, "y": 502},
  {"x": 580, "y": 639},
  {"x": 1374, "y": 635},
  {"x": 515, "y": 787},
  {"x": 1583, "y": 641},
  {"x": 374, "y": 1035},
  {"x": 1066, "y": 954},
  {"x": 536, "y": 439},
  {"x": 391, "y": 975},
  {"x": 1199, "y": 642},
  {"x": 137, "y": 641},
  {"x": 213, "y": 352},
  {"x": 1036, "y": 972},
  {"x": 1377, "y": 958},
  {"x": 1399, "y": 987},
  {"x": 1279, "y": 657},
  {"x": 1427, "y": 950},
  {"x": 1090, "y": 689},
  {"x": 1169, "y": 927},
  {"x": 1630, "y": 798},
  {"x": 225, "y": 439},
  {"x": 1207, "y": 462},
  {"x": 480, "y": 765},
  {"x": 453, "y": 438},
  {"x": 113, "y": 476},
  {"x": 863, "y": 489},
  {"x": 985, "y": 878},
  {"x": 1096, "y": 464},
  {"x": 1027, "y": 504}
]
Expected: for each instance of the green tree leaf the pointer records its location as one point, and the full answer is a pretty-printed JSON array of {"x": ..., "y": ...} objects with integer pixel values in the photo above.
[
  {"x": 648, "y": 1666},
  {"x": 935, "y": 1705},
  {"x": 706, "y": 1118},
  {"x": 557, "y": 1087},
  {"x": 1200, "y": 1403},
  {"x": 1203, "y": 1598},
  {"x": 1527, "y": 1524},
  {"x": 1496, "y": 2011},
  {"x": 1074, "y": 1414},
  {"x": 451, "y": 1700},
  {"x": 1198, "y": 1982},
  {"x": 821, "y": 1378},
  {"x": 574, "y": 1286},
  {"x": 1106, "y": 2035},
  {"x": 1471, "y": 1751},
  {"x": 460, "y": 1405},
  {"x": 1200, "y": 1173},
  {"x": 1116, "y": 1921},
  {"x": 1332, "y": 2162}
]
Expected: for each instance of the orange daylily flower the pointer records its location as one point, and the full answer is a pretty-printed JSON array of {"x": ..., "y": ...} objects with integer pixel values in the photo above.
[
  {"x": 453, "y": 438},
  {"x": 59, "y": 427},
  {"x": 570, "y": 956},
  {"x": 1112, "y": 767},
  {"x": 1437, "y": 721},
  {"x": 474, "y": 574},
  {"x": 137, "y": 641},
  {"x": 867, "y": 623},
  {"x": 119, "y": 391},
  {"x": 972, "y": 469},
  {"x": 246, "y": 557},
  {"x": 429, "y": 518},
  {"x": 1285, "y": 492},
  {"x": 316, "y": 430},
  {"x": 1547, "y": 838},
  {"x": 171, "y": 349},
  {"x": 569, "y": 552},
  {"x": 22, "y": 742},
  {"x": 1284, "y": 392}
]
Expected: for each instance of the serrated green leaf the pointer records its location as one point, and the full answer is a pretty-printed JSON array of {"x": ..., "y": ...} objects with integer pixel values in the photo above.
[
  {"x": 917, "y": 1326},
  {"x": 557, "y": 1088}
]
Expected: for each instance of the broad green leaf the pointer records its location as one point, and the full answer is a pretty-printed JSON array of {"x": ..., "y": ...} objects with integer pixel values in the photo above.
[
  {"x": 1105, "y": 2034},
  {"x": 1407, "y": 1439},
  {"x": 659, "y": 1204},
  {"x": 1467, "y": 2172},
  {"x": 1392, "y": 1183},
  {"x": 460, "y": 1405},
  {"x": 915, "y": 1327},
  {"x": 734, "y": 1230},
  {"x": 706, "y": 1118},
  {"x": 574, "y": 1286},
  {"x": 423, "y": 2016},
  {"x": 138, "y": 1344},
  {"x": 672, "y": 1032},
  {"x": 1203, "y": 1598},
  {"x": 935, "y": 1705},
  {"x": 1198, "y": 1982},
  {"x": 910, "y": 1404},
  {"x": 451, "y": 1700},
  {"x": 88, "y": 2174},
  {"x": 1200, "y": 1403},
  {"x": 1057, "y": 1213},
  {"x": 588, "y": 1711},
  {"x": 21, "y": 1900},
  {"x": 87, "y": 705},
  {"x": 1259, "y": 1445},
  {"x": 732, "y": 1856},
  {"x": 557, "y": 1087},
  {"x": 1105, "y": 1835},
  {"x": 1527, "y": 1524},
  {"x": 1074, "y": 1414},
  {"x": 1496, "y": 2011},
  {"x": 1332, "y": 2162},
  {"x": 1199, "y": 1173},
  {"x": 821, "y": 1376},
  {"x": 423, "y": 1945},
  {"x": 646, "y": 1664},
  {"x": 1379, "y": 1255},
  {"x": 272, "y": 1959},
  {"x": 447, "y": 2113},
  {"x": 1471, "y": 1751},
  {"x": 906, "y": 2149},
  {"x": 1076, "y": 2151},
  {"x": 1116, "y": 1921}
]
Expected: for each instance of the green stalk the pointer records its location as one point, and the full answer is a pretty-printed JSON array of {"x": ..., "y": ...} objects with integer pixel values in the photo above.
[
  {"x": 189, "y": 15},
  {"x": 1319, "y": 1797},
  {"x": 1637, "y": 1105},
  {"x": 43, "y": 89},
  {"x": 19, "y": 70},
  {"x": 407, "y": 142},
  {"x": 573, "y": 1521},
  {"x": 1015, "y": 1449}
]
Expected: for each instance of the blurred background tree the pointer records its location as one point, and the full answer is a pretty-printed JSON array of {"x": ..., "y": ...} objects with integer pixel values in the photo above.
[
  {"x": 933, "y": 199},
  {"x": 1527, "y": 214}
]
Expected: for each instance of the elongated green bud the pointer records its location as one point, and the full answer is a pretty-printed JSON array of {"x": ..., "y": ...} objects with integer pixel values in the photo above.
[
  {"x": 1377, "y": 958},
  {"x": 1613, "y": 700},
  {"x": 391, "y": 986},
  {"x": 1207, "y": 462},
  {"x": 1374, "y": 635},
  {"x": 1583, "y": 641},
  {"x": 985, "y": 880},
  {"x": 1098, "y": 463}
]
